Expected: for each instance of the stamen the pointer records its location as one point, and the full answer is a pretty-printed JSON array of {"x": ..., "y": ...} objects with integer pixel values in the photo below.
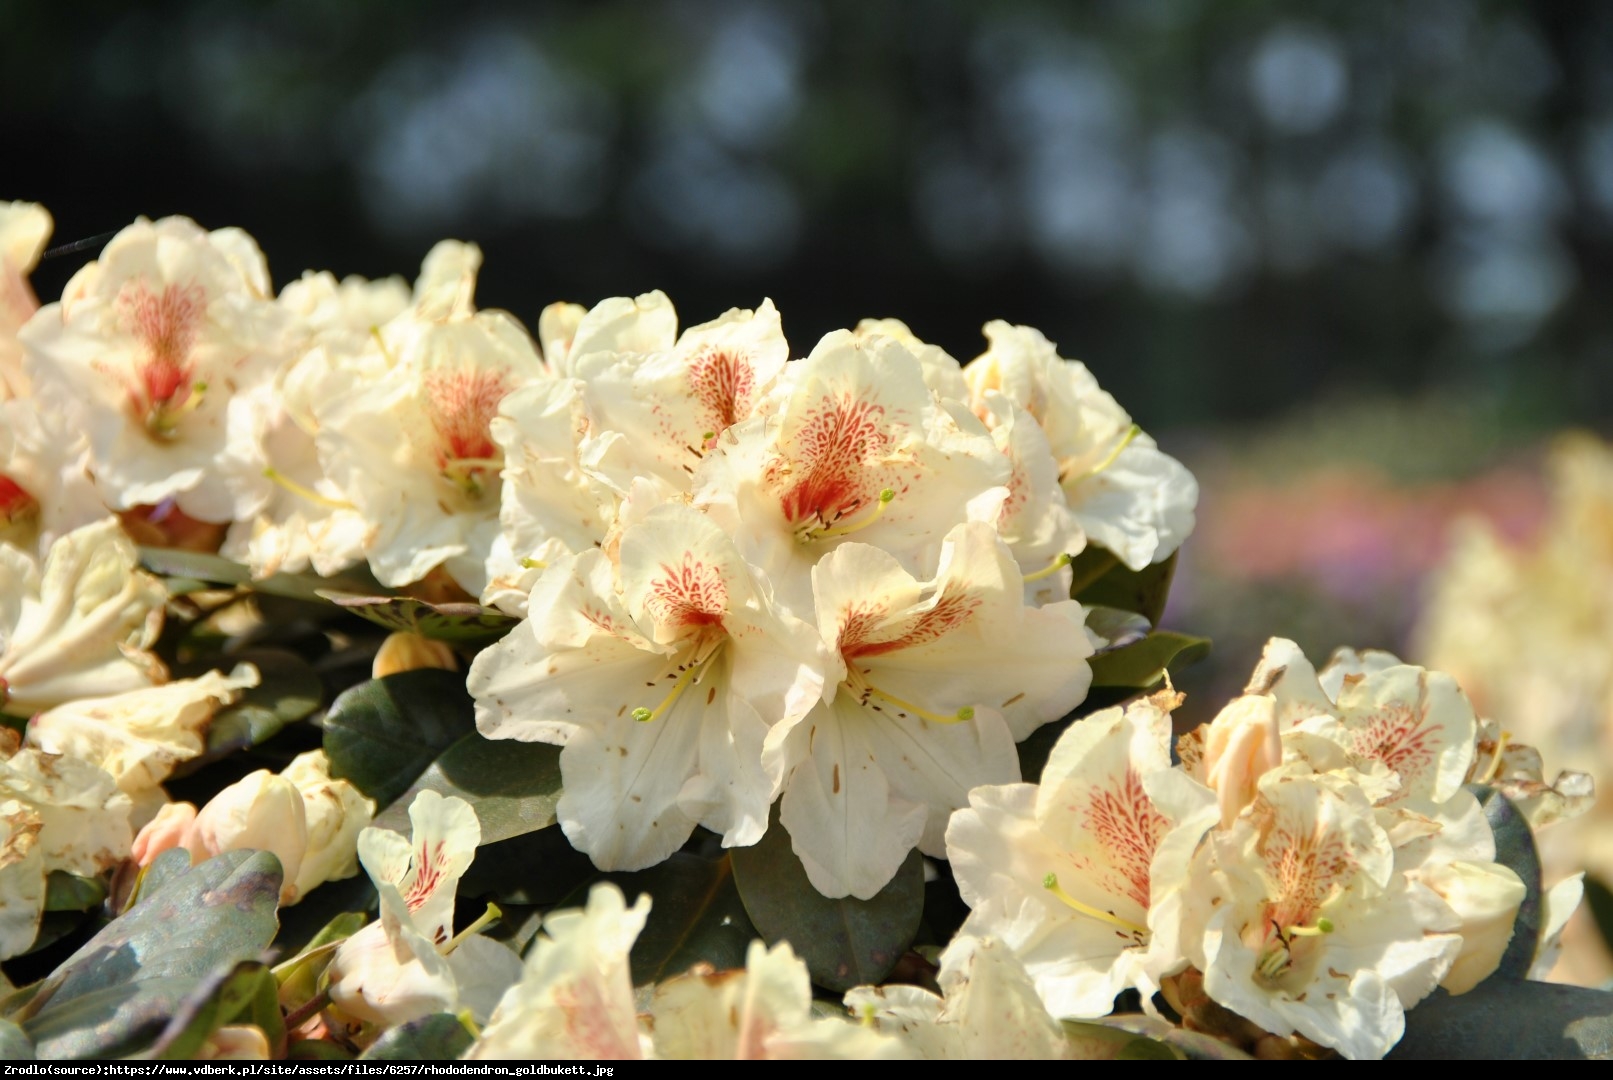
[
  {"x": 963, "y": 715},
  {"x": 1495, "y": 758},
  {"x": 465, "y": 473},
  {"x": 1058, "y": 563},
  {"x": 534, "y": 564},
  {"x": 380, "y": 343},
  {"x": 1051, "y": 884},
  {"x": 689, "y": 675},
  {"x": 490, "y": 916},
  {"x": 1323, "y": 926},
  {"x": 304, "y": 491},
  {"x": 885, "y": 497},
  {"x": 1108, "y": 460},
  {"x": 163, "y": 419}
]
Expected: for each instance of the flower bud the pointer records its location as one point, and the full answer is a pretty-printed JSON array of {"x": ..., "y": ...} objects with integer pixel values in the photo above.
[
  {"x": 262, "y": 812},
  {"x": 1240, "y": 745},
  {"x": 169, "y": 829},
  {"x": 406, "y": 651},
  {"x": 334, "y": 812}
]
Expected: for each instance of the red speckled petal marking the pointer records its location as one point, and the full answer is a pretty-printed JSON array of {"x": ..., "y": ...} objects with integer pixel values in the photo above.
[
  {"x": 723, "y": 382},
  {"x": 461, "y": 406},
  {"x": 865, "y": 632},
  {"x": 688, "y": 595},
  {"x": 1128, "y": 830},
  {"x": 166, "y": 324},
  {"x": 428, "y": 868},
  {"x": 832, "y": 470},
  {"x": 1307, "y": 867},
  {"x": 1399, "y": 737}
]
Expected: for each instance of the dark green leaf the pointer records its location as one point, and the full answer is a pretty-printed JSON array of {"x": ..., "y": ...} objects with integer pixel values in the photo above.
[
  {"x": 1099, "y": 578},
  {"x": 196, "y": 567},
  {"x": 215, "y": 1002},
  {"x": 14, "y": 1045},
  {"x": 456, "y": 623},
  {"x": 163, "y": 869},
  {"x": 288, "y": 690},
  {"x": 512, "y": 786},
  {"x": 302, "y": 924},
  {"x": 439, "y": 1037},
  {"x": 69, "y": 892},
  {"x": 1143, "y": 664},
  {"x": 1515, "y": 849},
  {"x": 845, "y": 942},
  {"x": 300, "y": 974},
  {"x": 110, "y": 1021},
  {"x": 537, "y": 868},
  {"x": 382, "y": 734},
  {"x": 191, "y": 925},
  {"x": 1599, "y": 901},
  {"x": 316, "y": 1050},
  {"x": 696, "y": 916},
  {"x": 1510, "y": 1019},
  {"x": 1118, "y": 628}
]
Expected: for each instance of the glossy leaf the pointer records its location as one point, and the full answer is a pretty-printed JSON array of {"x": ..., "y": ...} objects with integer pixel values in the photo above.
[
  {"x": 1515, "y": 849},
  {"x": 191, "y": 567},
  {"x": 382, "y": 734},
  {"x": 456, "y": 623},
  {"x": 1599, "y": 901},
  {"x": 539, "y": 869},
  {"x": 110, "y": 1021},
  {"x": 332, "y": 904},
  {"x": 1118, "y": 628},
  {"x": 69, "y": 892},
  {"x": 512, "y": 786},
  {"x": 438, "y": 1037},
  {"x": 288, "y": 690},
  {"x": 845, "y": 942},
  {"x": 300, "y": 974},
  {"x": 1510, "y": 1019},
  {"x": 1143, "y": 664},
  {"x": 1099, "y": 578},
  {"x": 215, "y": 1002}
]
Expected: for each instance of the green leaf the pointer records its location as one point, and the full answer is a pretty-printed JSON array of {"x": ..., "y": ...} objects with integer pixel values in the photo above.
[
  {"x": 215, "y": 1002},
  {"x": 110, "y": 1021},
  {"x": 845, "y": 942},
  {"x": 191, "y": 925},
  {"x": 69, "y": 892},
  {"x": 1143, "y": 664},
  {"x": 696, "y": 916},
  {"x": 382, "y": 734},
  {"x": 438, "y": 1037},
  {"x": 1118, "y": 628},
  {"x": 14, "y": 1045},
  {"x": 1515, "y": 849},
  {"x": 539, "y": 869},
  {"x": 195, "y": 567},
  {"x": 316, "y": 1050},
  {"x": 300, "y": 975},
  {"x": 455, "y": 623},
  {"x": 1100, "y": 579},
  {"x": 288, "y": 690},
  {"x": 512, "y": 786},
  {"x": 328, "y": 906},
  {"x": 1599, "y": 901},
  {"x": 1510, "y": 1019}
]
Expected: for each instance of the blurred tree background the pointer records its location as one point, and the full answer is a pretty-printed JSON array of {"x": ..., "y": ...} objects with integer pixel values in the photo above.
[{"x": 1284, "y": 236}]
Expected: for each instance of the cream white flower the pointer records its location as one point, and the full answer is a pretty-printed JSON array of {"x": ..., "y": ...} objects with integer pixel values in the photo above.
[
  {"x": 147, "y": 349},
  {"x": 762, "y": 1012},
  {"x": 334, "y": 813},
  {"x": 942, "y": 374},
  {"x": 1123, "y": 492},
  {"x": 261, "y": 812},
  {"x": 138, "y": 736},
  {"x": 78, "y": 626},
  {"x": 412, "y": 448},
  {"x": 24, "y": 229},
  {"x": 343, "y": 314},
  {"x": 1081, "y": 875},
  {"x": 557, "y": 325},
  {"x": 621, "y": 324},
  {"x": 1309, "y": 927},
  {"x": 933, "y": 683},
  {"x": 990, "y": 1009},
  {"x": 22, "y": 877},
  {"x": 660, "y": 680},
  {"x": 45, "y": 487},
  {"x": 575, "y": 996},
  {"x": 854, "y": 446},
  {"x": 407, "y": 964}
]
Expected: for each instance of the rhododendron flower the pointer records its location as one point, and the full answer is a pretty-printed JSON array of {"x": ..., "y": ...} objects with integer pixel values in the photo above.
[
  {"x": 762, "y": 1012},
  {"x": 335, "y": 813},
  {"x": 1128, "y": 496},
  {"x": 56, "y": 813},
  {"x": 147, "y": 349},
  {"x": 24, "y": 228},
  {"x": 262, "y": 812},
  {"x": 408, "y": 963},
  {"x": 45, "y": 487},
  {"x": 413, "y": 451},
  {"x": 1081, "y": 875},
  {"x": 857, "y": 447},
  {"x": 942, "y": 374},
  {"x": 78, "y": 626},
  {"x": 557, "y": 326},
  {"x": 990, "y": 1010},
  {"x": 933, "y": 683},
  {"x": 660, "y": 679},
  {"x": 1309, "y": 927},
  {"x": 138, "y": 736},
  {"x": 575, "y": 996}
]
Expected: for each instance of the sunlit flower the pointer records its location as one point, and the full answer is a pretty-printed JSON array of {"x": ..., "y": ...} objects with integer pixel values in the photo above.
[
  {"x": 942, "y": 374},
  {"x": 762, "y": 1012},
  {"x": 856, "y": 447},
  {"x": 262, "y": 812},
  {"x": 1081, "y": 875},
  {"x": 334, "y": 814},
  {"x": 660, "y": 680},
  {"x": 138, "y": 736},
  {"x": 990, "y": 1010},
  {"x": 933, "y": 683},
  {"x": 575, "y": 997},
  {"x": 408, "y": 963},
  {"x": 557, "y": 325},
  {"x": 45, "y": 487},
  {"x": 24, "y": 229},
  {"x": 147, "y": 349},
  {"x": 78, "y": 626},
  {"x": 1123, "y": 492}
]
